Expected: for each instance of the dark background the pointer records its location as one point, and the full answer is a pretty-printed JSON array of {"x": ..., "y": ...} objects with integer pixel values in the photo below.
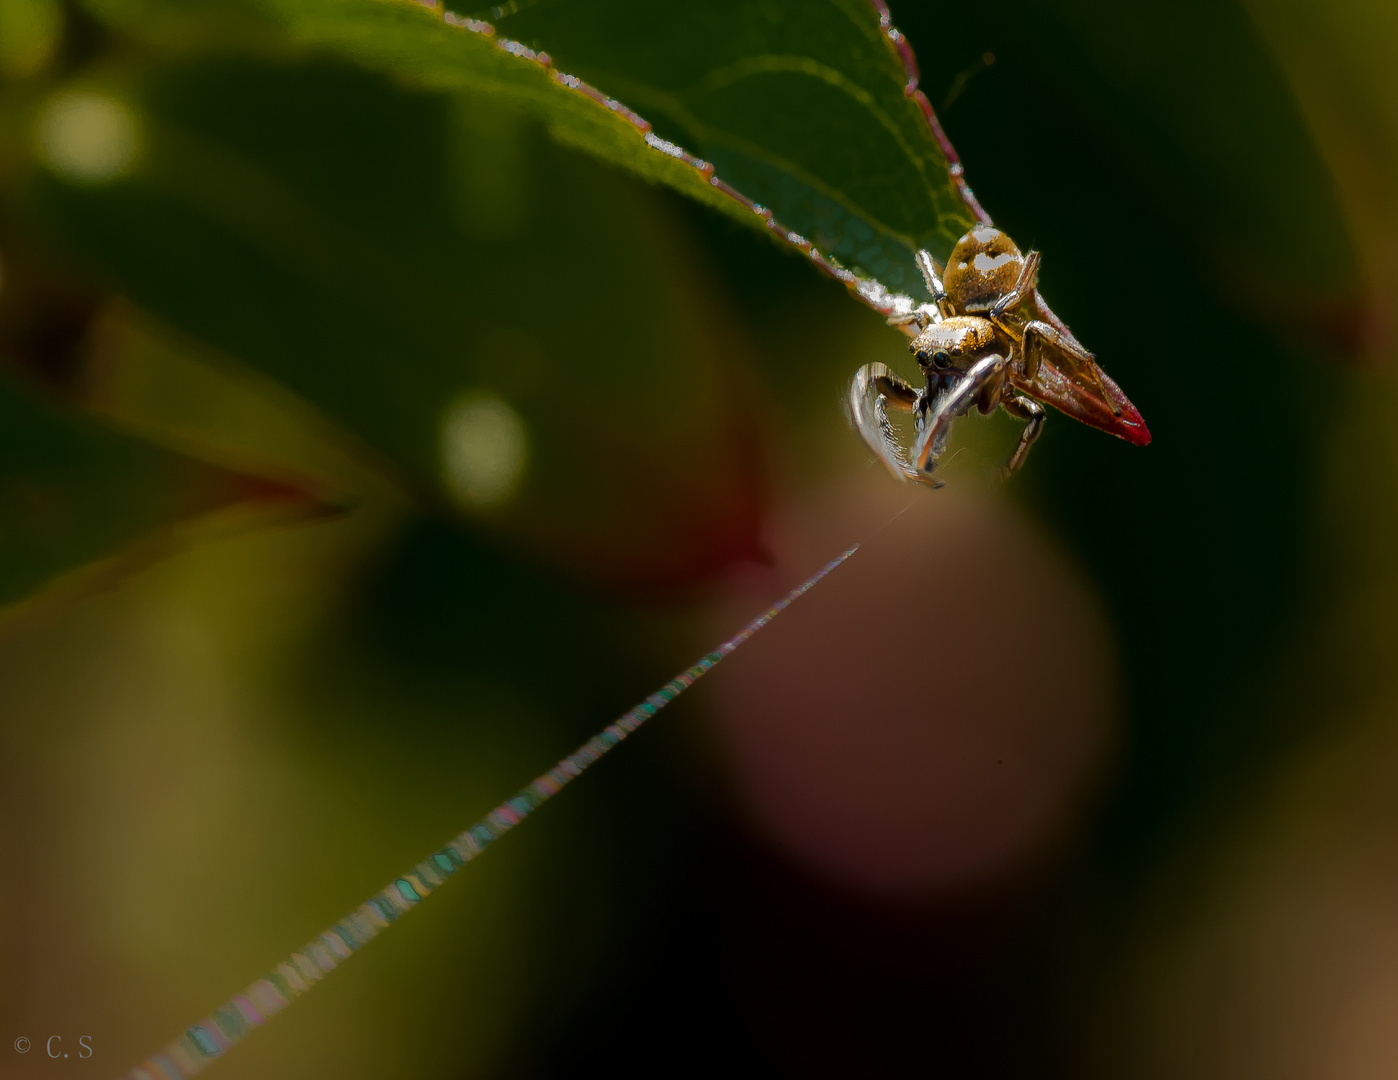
[{"x": 205, "y": 765}]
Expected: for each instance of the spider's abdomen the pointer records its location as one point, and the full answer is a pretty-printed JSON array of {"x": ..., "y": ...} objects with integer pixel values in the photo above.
[{"x": 984, "y": 266}]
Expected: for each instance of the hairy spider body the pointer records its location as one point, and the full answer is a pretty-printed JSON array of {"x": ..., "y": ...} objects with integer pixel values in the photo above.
[
  {"x": 987, "y": 340},
  {"x": 984, "y": 266}
]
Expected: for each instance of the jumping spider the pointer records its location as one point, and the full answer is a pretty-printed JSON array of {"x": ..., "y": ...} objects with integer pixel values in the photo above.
[{"x": 987, "y": 339}]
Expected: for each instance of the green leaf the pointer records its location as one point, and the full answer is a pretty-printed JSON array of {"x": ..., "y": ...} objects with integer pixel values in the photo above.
[
  {"x": 804, "y": 107},
  {"x": 74, "y": 492},
  {"x": 801, "y": 107}
]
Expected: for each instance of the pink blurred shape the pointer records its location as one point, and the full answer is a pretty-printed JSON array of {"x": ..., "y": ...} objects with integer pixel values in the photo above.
[{"x": 933, "y": 716}]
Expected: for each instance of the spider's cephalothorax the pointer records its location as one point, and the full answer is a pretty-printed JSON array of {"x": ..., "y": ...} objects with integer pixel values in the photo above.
[{"x": 987, "y": 340}]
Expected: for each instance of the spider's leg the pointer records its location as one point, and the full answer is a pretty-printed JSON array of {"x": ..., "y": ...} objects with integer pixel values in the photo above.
[
  {"x": 1068, "y": 346},
  {"x": 931, "y": 271},
  {"x": 1028, "y": 279},
  {"x": 947, "y": 406},
  {"x": 909, "y": 318},
  {"x": 1038, "y": 333},
  {"x": 872, "y": 387},
  {"x": 1025, "y": 408},
  {"x": 895, "y": 390},
  {"x": 931, "y": 275}
]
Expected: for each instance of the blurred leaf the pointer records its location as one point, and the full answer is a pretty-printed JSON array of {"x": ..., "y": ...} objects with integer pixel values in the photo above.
[
  {"x": 423, "y": 252},
  {"x": 29, "y": 35},
  {"x": 73, "y": 492},
  {"x": 1336, "y": 57},
  {"x": 800, "y": 106}
]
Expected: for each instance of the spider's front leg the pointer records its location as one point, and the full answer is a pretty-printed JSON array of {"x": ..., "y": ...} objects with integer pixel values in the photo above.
[
  {"x": 873, "y": 387},
  {"x": 947, "y": 406},
  {"x": 1025, "y": 408}
]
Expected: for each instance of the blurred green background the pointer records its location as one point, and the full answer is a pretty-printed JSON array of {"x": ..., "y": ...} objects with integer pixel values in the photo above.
[{"x": 366, "y": 443}]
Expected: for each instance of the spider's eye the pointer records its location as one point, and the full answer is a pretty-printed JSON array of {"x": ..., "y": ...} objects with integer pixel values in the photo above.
[
  {"x": 956, "y": 350},
  {"x": 940, "y": 358}
]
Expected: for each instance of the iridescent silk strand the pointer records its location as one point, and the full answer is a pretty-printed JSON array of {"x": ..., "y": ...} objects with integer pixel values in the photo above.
[{"x": 217, "y": 1033}]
